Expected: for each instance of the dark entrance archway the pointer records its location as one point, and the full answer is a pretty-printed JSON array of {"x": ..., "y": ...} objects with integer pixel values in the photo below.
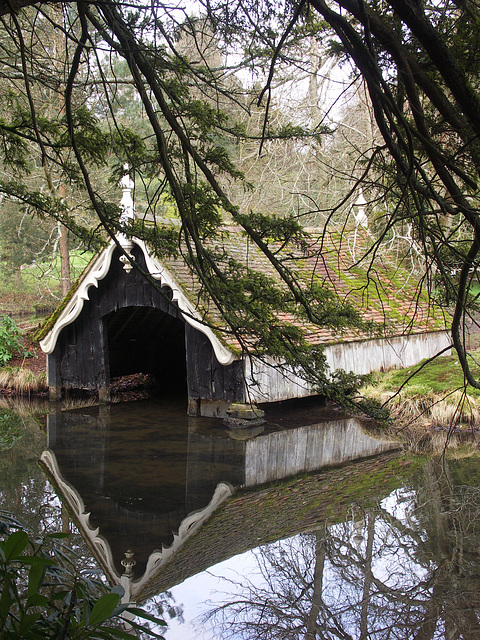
[{"x": 150, "y": 341}]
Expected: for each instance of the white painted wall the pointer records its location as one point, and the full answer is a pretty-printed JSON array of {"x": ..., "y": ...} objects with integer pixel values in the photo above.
[
  {"x": 381, "y": 354},
  {"x": 267, "y": 382}
]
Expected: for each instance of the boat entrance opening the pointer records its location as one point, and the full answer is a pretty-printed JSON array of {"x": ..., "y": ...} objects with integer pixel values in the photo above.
[{"x": 148, "y": 341}]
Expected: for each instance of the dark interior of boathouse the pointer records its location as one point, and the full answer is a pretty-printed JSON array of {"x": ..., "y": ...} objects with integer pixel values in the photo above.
[
  {"x": 127, "y": 326},
  {"x": 147, "y": 340}
]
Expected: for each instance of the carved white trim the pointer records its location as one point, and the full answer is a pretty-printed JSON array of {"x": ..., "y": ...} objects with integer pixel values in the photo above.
[
  {"x": 99, "y": 545},
  {"x": 99, "y": 270},
  {"x": 188, "y": 527},
  {"x": 127, "y": 205}
]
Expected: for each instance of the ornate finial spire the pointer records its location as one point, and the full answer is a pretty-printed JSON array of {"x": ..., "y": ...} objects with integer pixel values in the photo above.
[
  {"x": 127, "y": 215},
  {"x": 126, "y": 204},
  {"x": 358, "y": 209}
]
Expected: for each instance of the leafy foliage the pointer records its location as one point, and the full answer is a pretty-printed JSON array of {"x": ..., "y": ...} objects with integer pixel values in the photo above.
[
  {"x": 10, "y": 340},
  {"x": 42, "y": 595},
  {"x": 11, "y": 428}
]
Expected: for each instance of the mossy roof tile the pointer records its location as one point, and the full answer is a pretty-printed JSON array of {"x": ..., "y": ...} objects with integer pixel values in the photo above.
[{"x": 386, "y": 293}]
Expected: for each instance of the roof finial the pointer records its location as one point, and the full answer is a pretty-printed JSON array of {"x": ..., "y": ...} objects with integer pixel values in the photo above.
[
  {"x": 126, "y": 203},
  {"x": 358, "y": 209},
  {"x": 126, "y": 217}
]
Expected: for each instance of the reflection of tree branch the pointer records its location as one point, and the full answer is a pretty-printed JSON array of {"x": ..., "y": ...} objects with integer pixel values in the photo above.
[
  {"x": 317, "y": 587},
  {"x": 368, "y": 576},
  {"x": 400, "y": 526},
  {"x": 428, "y": 625},
  {"x": 350, "y": 558},
  {"x": 388, "y": 579}
]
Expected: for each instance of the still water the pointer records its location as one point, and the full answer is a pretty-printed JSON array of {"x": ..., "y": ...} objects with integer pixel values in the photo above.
[{"x": 384, "y": 547}]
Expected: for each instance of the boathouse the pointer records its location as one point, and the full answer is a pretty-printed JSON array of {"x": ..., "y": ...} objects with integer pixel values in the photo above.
[{"x": 116, "y": 322}]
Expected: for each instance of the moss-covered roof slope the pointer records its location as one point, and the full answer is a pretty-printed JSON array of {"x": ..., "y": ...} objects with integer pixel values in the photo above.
[
  {"x": 386, "y": 296},
  {"x": 245, "y": 298}
]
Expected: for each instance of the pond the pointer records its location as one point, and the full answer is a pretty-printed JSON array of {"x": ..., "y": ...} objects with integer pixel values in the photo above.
[{"x": 211, "y": 529}]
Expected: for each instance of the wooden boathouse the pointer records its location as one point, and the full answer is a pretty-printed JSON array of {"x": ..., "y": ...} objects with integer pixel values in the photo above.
[
  {"x": 118, "y": 324},
  {"x": 115, "y": 323}
]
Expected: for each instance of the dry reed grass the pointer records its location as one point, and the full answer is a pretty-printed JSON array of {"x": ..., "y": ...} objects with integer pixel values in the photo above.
[
  {"x": 25, "y": 406},
  {"x": 23, "y": 381},
  {"x": 5, "y": 375},
  {"x": 430, "y": 422},
  {"x": 79, "y": 403},
  {"x": 27, "y": 381},
  {"x": 418, "y": 406}
]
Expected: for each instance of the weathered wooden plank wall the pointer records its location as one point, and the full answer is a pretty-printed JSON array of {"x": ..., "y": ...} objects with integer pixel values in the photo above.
[
  {"x": 207, "y": 379},
  {"x": 279, "y": 455},
  {"x": 267, "y": 382},
  {"x": 129, "y": 326}
]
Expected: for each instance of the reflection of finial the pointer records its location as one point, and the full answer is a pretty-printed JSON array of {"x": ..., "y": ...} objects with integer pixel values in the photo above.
[
  {"x": 128, "y": 563},
  {"x": 358, "y": 521}
]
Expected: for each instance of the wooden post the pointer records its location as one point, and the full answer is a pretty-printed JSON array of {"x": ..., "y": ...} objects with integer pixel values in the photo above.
[
  {"x": 103, "y": 395},
  {"x": 103, "y": 384},
  {"x": 193, "y": 408}
]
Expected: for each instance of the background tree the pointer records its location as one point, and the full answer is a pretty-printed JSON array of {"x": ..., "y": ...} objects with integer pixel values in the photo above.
[
  {"x": 38, "y": 192},
  {"x": 419, "y": 66},
  {"x": 186, "y": 154}
]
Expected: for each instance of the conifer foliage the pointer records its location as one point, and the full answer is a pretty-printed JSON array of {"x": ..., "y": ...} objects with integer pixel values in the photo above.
[{"x": 418, "y": 63}]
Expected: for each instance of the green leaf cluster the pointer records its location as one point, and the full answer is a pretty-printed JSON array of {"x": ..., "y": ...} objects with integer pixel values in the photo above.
[
  {"x": 11, "y": 428},
  {"x": 10, "y": 340},
  {"x": 89, "y": 136},
  {"x": 42, "y": 595},
  {"x": 274, "y": 228}
]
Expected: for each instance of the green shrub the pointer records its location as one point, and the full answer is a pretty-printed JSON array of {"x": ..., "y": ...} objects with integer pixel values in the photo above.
[
  {"x": 11, "y": 428},
  {"x": 10, "y": 340},
  {"x": 44, "y": 595}
]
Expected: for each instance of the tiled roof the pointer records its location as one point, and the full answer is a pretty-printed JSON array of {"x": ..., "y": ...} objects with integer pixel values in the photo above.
[{"x": 386, "y": 293}]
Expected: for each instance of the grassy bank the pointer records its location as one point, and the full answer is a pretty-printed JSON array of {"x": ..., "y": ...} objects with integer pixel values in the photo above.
[
  {"x": 23, "y": 381},
  {"x": 27, "y": 296},
  {"x": 430, "y": 404},
  {"x": 35, "y": 288},
  {"x": 22, "y": 363}
]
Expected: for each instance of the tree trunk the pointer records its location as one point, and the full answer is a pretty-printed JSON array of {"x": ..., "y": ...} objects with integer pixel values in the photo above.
[
  {"x": 64, "y": 260},
  {"x": 312, "y": 620}
]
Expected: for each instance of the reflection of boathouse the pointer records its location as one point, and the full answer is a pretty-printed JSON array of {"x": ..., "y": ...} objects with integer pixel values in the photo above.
[
  {"x": 382, "y": 535},
  {"x": 125, "y": 496},
  {"x": 117, "y": 322}
]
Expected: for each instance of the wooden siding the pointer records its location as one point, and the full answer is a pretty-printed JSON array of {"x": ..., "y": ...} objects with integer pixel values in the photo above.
[
  {"x": 207, "y": 379},
  {"x": 128, "y": 326},
  {"x": 274, "y": 456}
]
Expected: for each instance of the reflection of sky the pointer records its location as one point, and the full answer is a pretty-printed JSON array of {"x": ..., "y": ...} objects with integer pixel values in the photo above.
[
  {"x": 393, "y": 564},
  {"x": 201, "y": 592}
]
